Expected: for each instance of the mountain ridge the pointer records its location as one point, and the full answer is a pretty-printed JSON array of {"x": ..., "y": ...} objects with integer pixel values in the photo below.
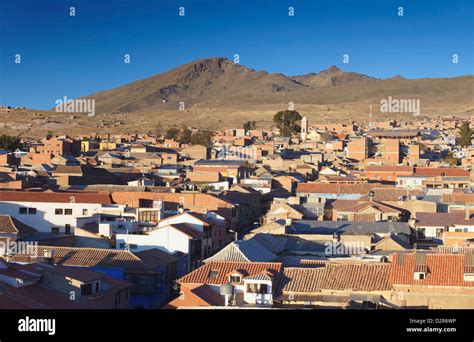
[{"x": 218, "y": 82}]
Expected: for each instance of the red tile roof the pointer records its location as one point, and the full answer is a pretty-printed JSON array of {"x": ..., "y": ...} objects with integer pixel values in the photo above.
[
  {"x": 10, "y": 225},
  {"x": 221, "y": 270},
  {"x": 350, "y": 276},
  {"x": 362, "y": 206},
  {"x": 196, "y": 295},
  {"x": 442, "y": 219},
  {"x": 85, "y": 257},
  {"x": 441, "y": 171},
  {"x": 336, "y": 188},
  {"x": 55, "y": 197},
  {"x": 443, "y": 269},
  {"x": 389, "y": 168}
]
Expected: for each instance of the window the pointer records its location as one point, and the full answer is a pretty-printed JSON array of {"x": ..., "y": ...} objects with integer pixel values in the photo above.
[
  {"x": 58, "y": 211},
  {"x": 55, "y": 230},
  {"x": 343, "y": 217},
  {"x": 421, "y": 233},
  {"x": 85, "y": 212},
  {"x": 67, "y": 211},
  {"x": 235, "y": 279},
  {"x": 31, "y": 211},
  {"x": 86, "y": 290},
  {"x": 67, "y": 229},
  {"x": 257, "y": 288},
  {"x": 439, "y": 232},
  {"x": 419, "y": 275},
  {"x": 23, "y": 211},
  {"x": 213, "y": 274}
]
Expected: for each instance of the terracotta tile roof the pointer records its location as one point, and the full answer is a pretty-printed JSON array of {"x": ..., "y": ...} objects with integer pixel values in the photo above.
[
  {"x": 221, "y": 270},
  {"x": 392, "y": 194},
  {"x": 187, "y": 229},
  {"x": 336, "y": 188},
  {"x": 361, "y": 206},
  {"x": 156, "y": 256},
  {"x": 442, "y": 219},
  {"x": 84, "y": 257},
  {"x": 196, "y": 295},
  {"x": 68, "y": 170},
  {"x": 443, "y": 269},
  {"x": 340, "y": 203},
  {"x": 458, "y": 198},
  {"x": 347, "y": 276},
  {"x": 389, "y": 168},
  {"x": 441, "y": 171},
  {"x": 10, "y": 225},
  {"x": 55, "y": 197},
  {"x": 343, "y": 276},
  {"x": 35, "y": 297}
]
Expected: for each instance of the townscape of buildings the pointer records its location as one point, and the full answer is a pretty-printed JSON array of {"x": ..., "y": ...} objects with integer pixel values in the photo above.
[{"x": 337, "y": 216}]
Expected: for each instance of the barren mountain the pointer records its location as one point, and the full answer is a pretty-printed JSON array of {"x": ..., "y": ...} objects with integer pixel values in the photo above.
[
  {"x": 218, "y": 94},
  {"x": 213, "y": 79},
  {"x": 220, "y": 83},
  {"x": 331, "y": 77}
]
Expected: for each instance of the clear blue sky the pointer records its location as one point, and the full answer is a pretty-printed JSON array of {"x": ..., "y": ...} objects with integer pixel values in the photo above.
[{"x": 76, "y": 56}]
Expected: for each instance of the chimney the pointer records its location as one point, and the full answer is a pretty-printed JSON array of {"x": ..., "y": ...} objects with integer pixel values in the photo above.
[{"x": 48, "y": 255}]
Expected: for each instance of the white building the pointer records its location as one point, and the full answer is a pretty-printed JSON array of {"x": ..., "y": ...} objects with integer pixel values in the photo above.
[
  {"x": 180, "y": 237},
  {"x": 51, "y": 212},
  {"x": 410, "y": 182}
]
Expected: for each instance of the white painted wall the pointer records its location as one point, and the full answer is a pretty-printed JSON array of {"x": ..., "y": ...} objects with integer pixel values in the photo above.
[
  {"x": 167, "y": 238},
  {"x": 45, "y": 217},
  {"x": 258, "y": 298}
]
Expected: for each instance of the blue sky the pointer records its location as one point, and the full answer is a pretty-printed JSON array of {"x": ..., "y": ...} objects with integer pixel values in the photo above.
[{"x": 76, "y": 56}]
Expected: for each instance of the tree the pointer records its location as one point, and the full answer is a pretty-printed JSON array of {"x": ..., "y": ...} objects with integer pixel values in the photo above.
[
  {"x": 185, "y": 136},
  {"x": 159, "y": 131},
  {"x": 9, "y": 143},
  {"x": 451, "y": 160},
  {"x": 249, "y": 125},
  {"x": 172, "y": 133},
  {"x": 465, "y": 133},
  {"x": 288, "y": 121},
  {"x": 202, "y": 138}
]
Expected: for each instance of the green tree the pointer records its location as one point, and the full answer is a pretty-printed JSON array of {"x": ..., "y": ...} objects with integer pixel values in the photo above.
[
  {"x": 172, "y": 133},
  {"x": 159, "y": 130},
  {"x": 202, "y": 138},
  {"x": 288, "y": 121},
  {"x": 185, "y": 136},
  {"x": 465, "y": 133},
  {"x": 449, "y": 158},
  {"x": 249, "y": 125},
  {"x": 9, "y": 143}
]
